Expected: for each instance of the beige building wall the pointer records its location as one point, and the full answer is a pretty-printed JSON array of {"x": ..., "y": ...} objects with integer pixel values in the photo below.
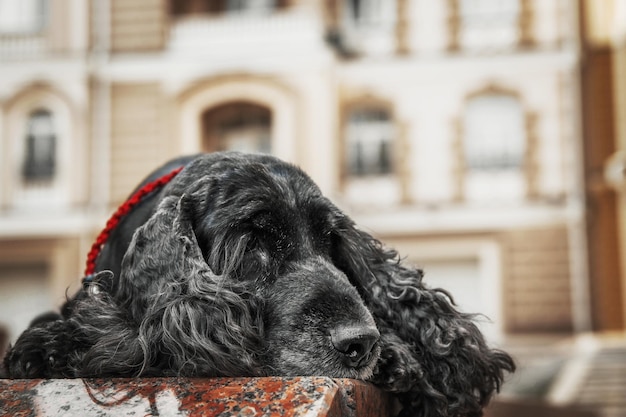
[
  {"x": 537, "y": 280},
  {"x": 139, "y": 135},
  {"x": 138, "y": 25},
  {"x": 527, "y": 270}
]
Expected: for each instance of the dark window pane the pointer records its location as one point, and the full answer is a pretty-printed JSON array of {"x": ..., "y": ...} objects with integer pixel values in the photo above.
[{"x": 40, "y": 150}]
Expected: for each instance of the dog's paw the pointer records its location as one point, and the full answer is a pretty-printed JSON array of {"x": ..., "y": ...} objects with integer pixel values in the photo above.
[{"x": 41, "y": 351}]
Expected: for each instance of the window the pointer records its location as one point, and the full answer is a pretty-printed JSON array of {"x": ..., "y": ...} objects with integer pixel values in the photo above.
[
  {"x": 41, "y": 147},
  {"x": 494, "y": 133},
  {"x": 488, "y": 23},
  {"x": 365, "y": 27},
  {"x": 239, "y": 126},
  {"x": 40, "y": 151},
  {"x": 369, "y": 134},
  {"x": 494, "y": 147},
  {"x": 23, "y": 16}
]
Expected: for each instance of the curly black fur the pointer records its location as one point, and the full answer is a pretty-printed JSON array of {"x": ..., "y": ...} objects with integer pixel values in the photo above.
[{"x": 239, "y": 267}]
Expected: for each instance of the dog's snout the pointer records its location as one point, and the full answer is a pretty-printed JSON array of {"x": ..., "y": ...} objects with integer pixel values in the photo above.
[{"x": 354, "y": 343}]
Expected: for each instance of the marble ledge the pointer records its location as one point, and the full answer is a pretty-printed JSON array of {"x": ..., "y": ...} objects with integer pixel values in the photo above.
[{"x": 224, "y": 397}]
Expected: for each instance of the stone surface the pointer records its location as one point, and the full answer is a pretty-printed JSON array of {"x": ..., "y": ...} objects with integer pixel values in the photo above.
[{"x": 246, "y": 397}]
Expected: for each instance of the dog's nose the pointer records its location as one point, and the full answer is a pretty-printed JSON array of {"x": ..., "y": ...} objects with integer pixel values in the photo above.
[{"x": 354, "y": 342}]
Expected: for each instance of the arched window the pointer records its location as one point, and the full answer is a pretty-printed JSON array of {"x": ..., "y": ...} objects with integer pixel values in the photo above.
[
  {"x": 494, "y": 147},
  {"x": 39, "y": 164},
  {"x": 369, "y": 135},
  {"x": 44, "y": 158},
  {"x": 238, "y": 126}
]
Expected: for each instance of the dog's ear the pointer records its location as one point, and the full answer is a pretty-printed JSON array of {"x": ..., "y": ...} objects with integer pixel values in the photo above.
[
  {"x": 170, "y": 313},
  {"x": 163, "y": 249},
  {"x": 433, "y": 356}
]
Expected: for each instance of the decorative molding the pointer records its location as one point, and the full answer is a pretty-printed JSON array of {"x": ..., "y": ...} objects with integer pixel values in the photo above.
[
  {"x": 454, "y": 26},
  {"x": 531, "y": 165},
  {"x": 402, "y": 27},
  {"x": 492, "y": 87},
  {"x": 526, "y": 21},
  {"x": 200, "y": 85},
  {"x": 459, "y": 166},
  {"x": 402, "y": 152},
  {"x": 38, "y": 88}
]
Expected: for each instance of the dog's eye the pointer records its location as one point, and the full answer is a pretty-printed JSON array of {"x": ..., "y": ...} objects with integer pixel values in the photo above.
[
  {"x": 263, "y": 221},
  {"x": 268, "y": 231},
  {"x": 326, "y": 237},
  {"x": 265, "y": 226}
]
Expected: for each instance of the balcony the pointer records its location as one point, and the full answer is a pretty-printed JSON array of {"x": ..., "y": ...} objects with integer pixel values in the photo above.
[
  {"x": 22, "y": 46},
  {"x": 244, "y": 38}
]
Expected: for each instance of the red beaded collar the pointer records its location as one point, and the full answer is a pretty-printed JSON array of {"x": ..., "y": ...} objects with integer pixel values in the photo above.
[{"x": 122, "y": 211}]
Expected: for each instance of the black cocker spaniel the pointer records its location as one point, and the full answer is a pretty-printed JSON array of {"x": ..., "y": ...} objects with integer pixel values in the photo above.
[{"x": 239, "y": 266}]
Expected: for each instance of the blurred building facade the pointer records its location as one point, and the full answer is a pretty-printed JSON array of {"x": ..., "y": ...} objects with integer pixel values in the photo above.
[{"x": 452, "y": 130}]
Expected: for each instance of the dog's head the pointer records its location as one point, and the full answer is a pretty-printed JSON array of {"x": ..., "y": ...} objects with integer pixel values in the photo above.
[
  {"x": 246, "y": 269},
  {"x": 241, "y": 265}
]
